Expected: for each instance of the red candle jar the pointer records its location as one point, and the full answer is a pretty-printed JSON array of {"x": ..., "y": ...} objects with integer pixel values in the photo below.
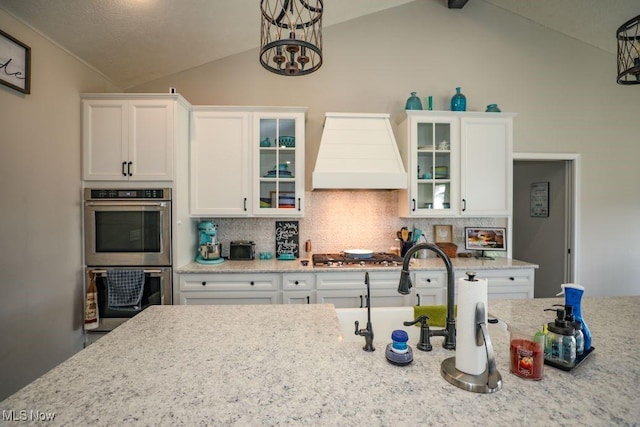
[{"x": 527, "y": 355}]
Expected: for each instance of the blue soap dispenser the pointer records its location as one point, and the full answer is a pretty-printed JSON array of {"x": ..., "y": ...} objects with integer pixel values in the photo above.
[{"x": 573, "y": 297}]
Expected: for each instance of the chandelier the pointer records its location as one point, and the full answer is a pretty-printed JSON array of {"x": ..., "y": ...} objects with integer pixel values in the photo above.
[
  {"x": 291, "y": 36},
  {"x": 628, "y": 36}
]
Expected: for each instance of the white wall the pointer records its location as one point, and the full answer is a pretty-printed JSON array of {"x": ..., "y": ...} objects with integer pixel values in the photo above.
[
  {"x": 564, "y": 91},
  {"x": 40, "y": 258}
]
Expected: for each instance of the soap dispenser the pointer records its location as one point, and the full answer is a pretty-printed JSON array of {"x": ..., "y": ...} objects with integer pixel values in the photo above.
[
  {"x": 560, "y": 345},
  {"x": 573, "y": 297},
  {"x": 577, "y": 328}
]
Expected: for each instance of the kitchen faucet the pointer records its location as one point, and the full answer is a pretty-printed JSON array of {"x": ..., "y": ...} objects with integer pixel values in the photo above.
[
  {"x": 368, "y": 332},
  {"x": 404, "y": 287}
]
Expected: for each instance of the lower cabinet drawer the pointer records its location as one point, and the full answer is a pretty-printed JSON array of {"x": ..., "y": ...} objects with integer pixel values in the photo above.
[
  {"x": 229, "y": 282},
  {"x": 228, "y": 298}
]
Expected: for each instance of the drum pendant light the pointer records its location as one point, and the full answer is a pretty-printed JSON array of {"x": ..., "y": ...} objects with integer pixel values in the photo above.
[
  {"x": 628, "y": 36},
  {"x": 291, "y": 36}
]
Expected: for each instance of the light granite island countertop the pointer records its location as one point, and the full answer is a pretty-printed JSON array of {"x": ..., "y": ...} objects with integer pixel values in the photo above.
[{"x": 287, "y": 364}]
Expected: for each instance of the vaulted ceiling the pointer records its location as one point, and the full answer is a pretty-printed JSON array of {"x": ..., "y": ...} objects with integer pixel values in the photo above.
[{"x": 137, "y": 41}]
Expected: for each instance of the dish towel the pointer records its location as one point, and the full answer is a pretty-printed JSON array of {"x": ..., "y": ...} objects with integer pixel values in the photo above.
[
  {"x": 125, "y": 288},
  {"x": 437, "y": 314}
]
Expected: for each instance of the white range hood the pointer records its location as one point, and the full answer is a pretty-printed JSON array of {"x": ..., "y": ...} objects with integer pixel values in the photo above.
[{"x": 358, "y": 151}]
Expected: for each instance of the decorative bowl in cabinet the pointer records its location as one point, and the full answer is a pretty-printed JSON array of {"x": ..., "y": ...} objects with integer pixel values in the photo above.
[{"x": 287, "y": 141}]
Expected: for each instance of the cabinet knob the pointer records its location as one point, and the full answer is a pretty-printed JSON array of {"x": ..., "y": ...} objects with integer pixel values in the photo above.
[
  {"x": 252, "y": 283},
  {"x": 204, "y": 283},
  {"x": 512, "y": 278},
  {"x": 428, "y": 280},
  {"x": 296, "y": 282}
]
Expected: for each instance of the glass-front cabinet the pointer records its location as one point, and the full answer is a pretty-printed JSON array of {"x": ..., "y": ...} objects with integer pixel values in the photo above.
[
  {"x": 279, "y": 163},
  {"x": 431, "y": 156}
]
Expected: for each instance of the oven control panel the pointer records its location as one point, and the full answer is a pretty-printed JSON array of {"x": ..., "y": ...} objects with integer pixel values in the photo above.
[{"x": 126, "y": 193}]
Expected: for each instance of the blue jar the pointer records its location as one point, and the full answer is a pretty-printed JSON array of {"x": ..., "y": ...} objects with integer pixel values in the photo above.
[
  {"x": 458, "y": 101},
  {"x": 399, "y": 338},
  {"x": 413, "y": 103}
]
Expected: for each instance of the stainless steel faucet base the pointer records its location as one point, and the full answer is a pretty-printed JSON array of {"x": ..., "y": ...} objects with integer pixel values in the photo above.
[{"x": 474, "y": 383}]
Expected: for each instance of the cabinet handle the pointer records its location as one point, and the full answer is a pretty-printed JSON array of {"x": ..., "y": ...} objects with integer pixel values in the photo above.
[
  {"x": 252, "y": 283},
  {"x": 123, "y": 172},
  {"x": 299, "y": 204},
  {"x": 418, "y": 295},
  {"x": 129, "y": 168},
  {"x": 361, "y": 306},
  {"x": 413, "y": 205},
  {"x": 245, "y": 204},
  {"x": 204, "y": 283},
  {"x": 308, "y": 300},
  {"x": 464, "y": 205}
]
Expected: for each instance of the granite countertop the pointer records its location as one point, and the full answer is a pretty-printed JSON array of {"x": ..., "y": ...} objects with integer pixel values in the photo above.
[
  {"x": 287, "y": 364},
  {"x": 295, "y": 266}
]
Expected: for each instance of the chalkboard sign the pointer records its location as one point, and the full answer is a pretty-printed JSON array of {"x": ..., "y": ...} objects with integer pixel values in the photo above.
[{"x": 287, "y": 238}]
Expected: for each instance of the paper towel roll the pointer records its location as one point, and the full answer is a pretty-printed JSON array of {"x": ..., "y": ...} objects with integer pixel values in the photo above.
[{"x": 470, "y": 358}]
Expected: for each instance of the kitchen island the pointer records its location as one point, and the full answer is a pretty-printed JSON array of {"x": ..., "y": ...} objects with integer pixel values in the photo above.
[{"x": 250, "y": 365}]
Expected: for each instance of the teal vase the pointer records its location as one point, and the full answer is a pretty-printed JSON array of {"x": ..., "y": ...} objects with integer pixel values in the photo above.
[
  {"x": 492, "y": 108},
  {"x": 413, "y": 103},
  {"x": 458, "y": 101}
]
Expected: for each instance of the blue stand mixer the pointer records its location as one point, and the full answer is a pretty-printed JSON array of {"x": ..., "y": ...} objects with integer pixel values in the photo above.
[{"x": 209, "y": 250}]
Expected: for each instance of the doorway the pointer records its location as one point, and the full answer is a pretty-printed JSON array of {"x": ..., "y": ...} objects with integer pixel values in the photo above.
[{"x": 548, "y": 239}]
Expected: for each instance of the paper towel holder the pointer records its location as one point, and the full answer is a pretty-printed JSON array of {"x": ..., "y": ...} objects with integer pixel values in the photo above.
[{"x": 490, "y": 380}]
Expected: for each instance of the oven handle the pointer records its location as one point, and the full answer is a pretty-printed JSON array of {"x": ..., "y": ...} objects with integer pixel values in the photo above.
[
  {"x": 102, "y": 272},
  {"x": 119, "y": 204}
]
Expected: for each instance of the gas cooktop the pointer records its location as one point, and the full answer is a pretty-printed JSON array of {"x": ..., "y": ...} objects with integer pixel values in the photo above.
[{"x": 378, "y": 259}]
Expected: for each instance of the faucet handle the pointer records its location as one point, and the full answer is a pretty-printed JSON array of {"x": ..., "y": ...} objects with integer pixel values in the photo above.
[{"x": 425, "y": 341}]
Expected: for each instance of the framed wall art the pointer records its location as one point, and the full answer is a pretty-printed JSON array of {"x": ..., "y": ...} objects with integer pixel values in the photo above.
[
  {"x": 540, "y": 199},
  {"x": 15, "y": 63}
]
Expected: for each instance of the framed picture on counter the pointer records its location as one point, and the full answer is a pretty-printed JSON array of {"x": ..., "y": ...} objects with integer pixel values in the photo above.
[
  {"x": 15, "y": 63},
  {"x": 443, "y": 233}
]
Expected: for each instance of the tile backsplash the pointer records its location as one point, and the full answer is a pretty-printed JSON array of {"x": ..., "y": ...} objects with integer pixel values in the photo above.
[{"x": 339, "y": 220}]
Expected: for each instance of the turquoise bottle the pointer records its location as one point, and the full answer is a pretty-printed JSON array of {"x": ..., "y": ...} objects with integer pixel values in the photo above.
[
  {"x": 413, "y": 103},
  {"x": 458, "y": 101}
]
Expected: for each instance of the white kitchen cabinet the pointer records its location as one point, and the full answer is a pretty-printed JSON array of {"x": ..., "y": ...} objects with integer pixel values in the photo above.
[
  {"x": 347, "y": 289},
  {"x": 507, "y": 283},
  {"x": 430, "y": 287},
  {"x": 220, "y": 162},
  {"x": 278, "y": 162},
  {"x": 130, "y": 138},
  {"x": 298, "y": 288},
  {"x": 486, "y": 165},
  {"x": 229, "y": 288},
  {"x": 247, "y": 161},
  {"x": 458, "y": 164}
]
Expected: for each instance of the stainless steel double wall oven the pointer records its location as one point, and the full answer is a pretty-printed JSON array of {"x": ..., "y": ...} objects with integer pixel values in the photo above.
[{"x": 125, "y": 229}]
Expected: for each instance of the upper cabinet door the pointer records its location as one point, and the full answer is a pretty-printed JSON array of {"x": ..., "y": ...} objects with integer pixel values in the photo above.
[
  {"x": 220, "y": 162},
  {"x": 278, "y": 163},
  {"x": 128, "y": 139},
  {"x": 105, "y": 140},
  {"x": 151, "y": 140},
  {"x": 486, "y": 166}
]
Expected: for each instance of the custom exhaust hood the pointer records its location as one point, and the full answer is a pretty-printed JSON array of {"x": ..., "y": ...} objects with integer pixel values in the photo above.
[{"x": 358, "y": 151}]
